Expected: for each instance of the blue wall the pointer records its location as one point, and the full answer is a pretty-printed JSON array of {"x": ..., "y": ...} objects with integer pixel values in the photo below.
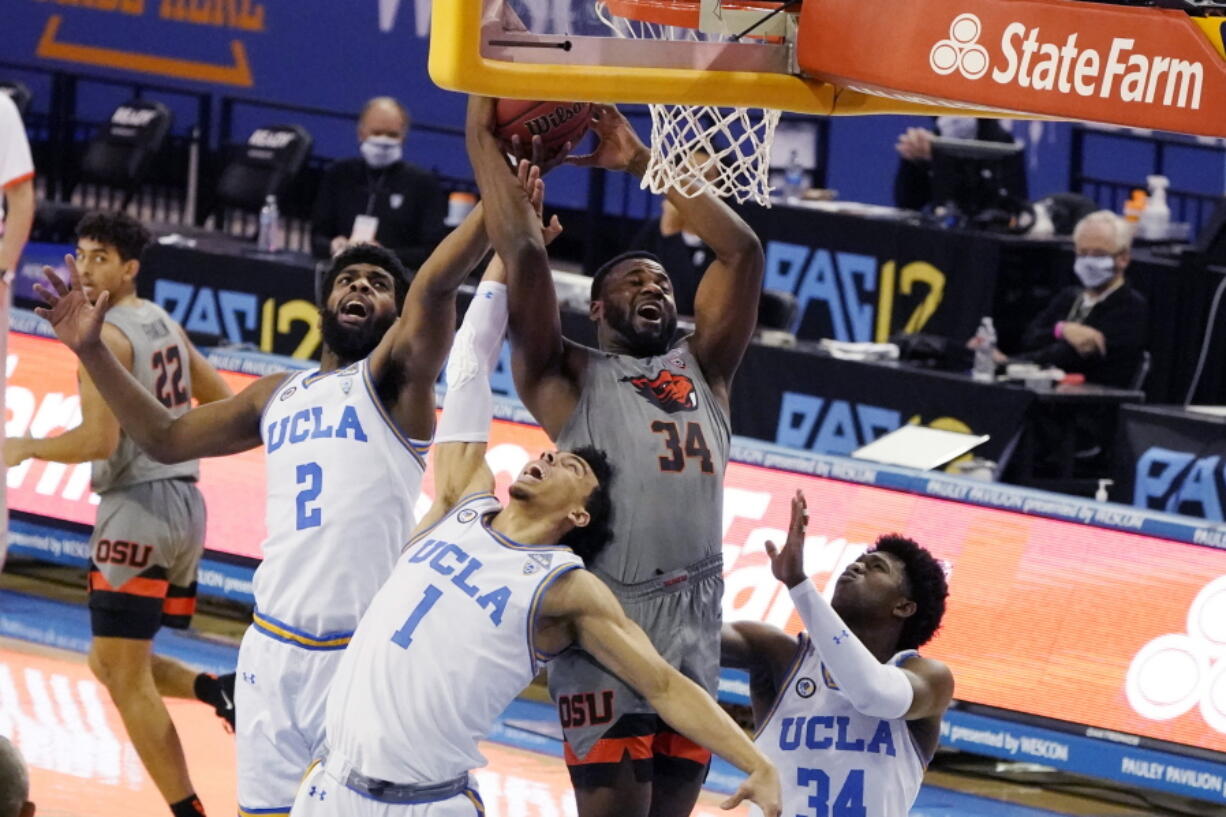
[{"x": 336, "y": 54}]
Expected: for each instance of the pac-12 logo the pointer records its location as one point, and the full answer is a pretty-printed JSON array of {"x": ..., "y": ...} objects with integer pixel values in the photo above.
[
  {"x": 667, "y": 391},
  {"x": 805, "y": 687}
]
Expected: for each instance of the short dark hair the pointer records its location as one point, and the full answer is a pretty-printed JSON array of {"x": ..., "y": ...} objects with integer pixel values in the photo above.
[
  {"x": 607, "y": 267},
  {"x": 926, "y": 585},
  {"x": 127, "y": 235},
  {"x": 374, "y": 255},
  {"x": 588, "y": 541}
]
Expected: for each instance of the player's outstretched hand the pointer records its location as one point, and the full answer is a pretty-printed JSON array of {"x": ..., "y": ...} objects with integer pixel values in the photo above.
[
  {"x": 76, "y": 321},
  {"x": 761, "y": 787},
  {"x": 788, "y": 564},
  {"x": 619, "y": 147}
]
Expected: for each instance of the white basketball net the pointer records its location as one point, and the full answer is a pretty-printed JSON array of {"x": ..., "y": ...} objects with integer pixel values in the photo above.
[{"x": 736, "y": 141}]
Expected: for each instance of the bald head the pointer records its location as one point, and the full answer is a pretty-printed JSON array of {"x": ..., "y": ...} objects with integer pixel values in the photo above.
[
  {"x": 383, "y": 116},
  {"x": 14, "y": 782}
]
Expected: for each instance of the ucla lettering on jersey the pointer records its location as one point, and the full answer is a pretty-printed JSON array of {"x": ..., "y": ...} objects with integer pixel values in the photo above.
[
  {"x": 462, "y": 590},
  {"x": 342, "y": 483},
  {"x": 832, "y": 758}
]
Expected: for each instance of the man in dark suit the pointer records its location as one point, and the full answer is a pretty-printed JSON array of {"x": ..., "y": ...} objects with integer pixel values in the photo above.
[
  {"x": 1101, "y": 327},
  {"x": 402, "y": 204}
]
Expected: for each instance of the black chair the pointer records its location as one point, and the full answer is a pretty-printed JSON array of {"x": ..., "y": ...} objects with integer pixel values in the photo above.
[
  {"x": 120, "y": 153},
  {"x": 19, "y": 93},
  {"x": 265, "y": 166}
]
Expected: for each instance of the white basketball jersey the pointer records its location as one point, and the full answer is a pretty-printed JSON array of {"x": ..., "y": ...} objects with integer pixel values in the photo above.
[
  {"x": 444, "y": 648},
  {"x": 831, "y": 758},
  {"x": 342, "y": 484}
]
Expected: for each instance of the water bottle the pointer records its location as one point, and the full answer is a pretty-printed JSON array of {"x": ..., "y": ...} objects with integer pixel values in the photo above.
[
  {"x": 985, "y": 363},
  {"x": 793, "y": 178},
  {"x": 269, "y": 237}
]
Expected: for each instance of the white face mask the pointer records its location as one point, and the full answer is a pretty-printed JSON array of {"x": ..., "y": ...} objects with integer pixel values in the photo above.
[
  {"x": 957, "y": 127},
  {"x": 381, "y": 151},
  {"x": 1094, "y": 270}
]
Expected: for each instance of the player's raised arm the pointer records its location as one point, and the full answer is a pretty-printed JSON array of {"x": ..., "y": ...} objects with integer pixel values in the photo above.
[
  {"x": 212, "y": 430},
  {"x": 468, "y": 408},
  {"x": 543, "y": 363},
  {"x": 726, "y": 304},
  {"x": 416, "y": 346},
  {"x": 599, "y": 625},
  {"x": 921, "y": 689}
]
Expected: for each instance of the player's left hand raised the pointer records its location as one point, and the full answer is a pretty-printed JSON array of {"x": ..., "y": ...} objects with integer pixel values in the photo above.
[
  {"x": 762, "y": 788},
  {"x": 76, "y": 321},
  {"x": 788, "y": 564}
]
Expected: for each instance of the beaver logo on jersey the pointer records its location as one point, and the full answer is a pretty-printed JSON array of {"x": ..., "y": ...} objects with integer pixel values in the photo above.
[{"x": 668, "y": 391}]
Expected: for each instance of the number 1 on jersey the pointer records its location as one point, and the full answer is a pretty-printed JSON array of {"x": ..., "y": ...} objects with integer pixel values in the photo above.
[{"x": 404, "y": 636}]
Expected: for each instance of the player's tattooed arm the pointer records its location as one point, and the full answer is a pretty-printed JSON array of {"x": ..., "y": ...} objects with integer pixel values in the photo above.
[
  {"x": 213, "y": 430},
  {"x": 580, "y": 609}
]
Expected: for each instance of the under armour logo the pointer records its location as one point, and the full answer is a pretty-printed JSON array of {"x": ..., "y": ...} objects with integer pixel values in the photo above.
[
  {"x": 960, "y": 52},
  {"x": 841, "y": 637},
  {"x": 316, "y": 791},
  {"x": 249, "y": 677}
]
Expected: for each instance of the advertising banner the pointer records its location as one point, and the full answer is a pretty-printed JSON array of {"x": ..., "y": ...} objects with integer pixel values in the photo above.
[
  {"x": 1106, "y": 624},
  {"x": 1142, "y": 67}
]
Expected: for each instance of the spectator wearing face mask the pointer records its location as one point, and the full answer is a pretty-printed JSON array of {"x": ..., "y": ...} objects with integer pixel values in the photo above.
[
  {"x": 1098, "y": 328},
  {"x": 913, "y": 180},
  {"x": 378, "y": 196}
]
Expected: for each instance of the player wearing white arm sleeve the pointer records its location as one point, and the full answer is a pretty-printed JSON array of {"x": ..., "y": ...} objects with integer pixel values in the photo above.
[
  {"x": 485, "y": 593},
  {"x": 849, "y": 711}
]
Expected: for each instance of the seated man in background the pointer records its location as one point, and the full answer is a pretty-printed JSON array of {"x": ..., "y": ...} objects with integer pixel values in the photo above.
[
  {"x": 1099, "y": 328},
  {"x": 913, "y": 179},
  {"x": 378, "y": 197}
]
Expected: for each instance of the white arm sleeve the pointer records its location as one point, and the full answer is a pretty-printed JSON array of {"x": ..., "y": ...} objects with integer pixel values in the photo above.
[
  {"x": 874, "y": 689},
  {"x": 469, "y": 404}
]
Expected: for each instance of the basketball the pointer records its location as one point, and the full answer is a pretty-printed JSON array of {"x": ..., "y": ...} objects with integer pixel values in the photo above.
[{"x": 555, "y": 122}]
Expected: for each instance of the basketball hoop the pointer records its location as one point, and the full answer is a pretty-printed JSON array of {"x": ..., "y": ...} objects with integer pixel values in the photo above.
[{"x": 736, "y": 141}]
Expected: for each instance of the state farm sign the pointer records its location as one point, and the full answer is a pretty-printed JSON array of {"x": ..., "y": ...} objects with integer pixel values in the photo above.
[
  {"x": 1123, "y": 72},
  {"x": 1142, "y": 67}
]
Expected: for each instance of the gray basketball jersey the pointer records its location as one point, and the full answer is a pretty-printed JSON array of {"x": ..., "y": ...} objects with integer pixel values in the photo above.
[
  {"x": 160, "y": 364},
  {"x": 667, "y": 440}
]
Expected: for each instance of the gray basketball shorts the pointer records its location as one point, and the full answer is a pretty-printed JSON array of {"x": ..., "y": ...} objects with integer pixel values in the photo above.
[
  {"x": 144, "y": 552},
  {"x": 602, "y": 718}
]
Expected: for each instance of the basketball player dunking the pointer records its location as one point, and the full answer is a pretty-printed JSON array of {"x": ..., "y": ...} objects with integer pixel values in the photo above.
[
  {"x": 660, "y": 409},
  {"x": 345, "y": 451},
  {"x": 483, "y": 593},
  {"x": 849, "y": 711}
]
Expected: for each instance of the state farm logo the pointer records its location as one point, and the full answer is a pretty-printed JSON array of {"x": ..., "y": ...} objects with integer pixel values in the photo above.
[
  {"x": 1178, "y": 671},
  {"x": 1121, "y": 72},
  {"x": 961, "y": 52}
]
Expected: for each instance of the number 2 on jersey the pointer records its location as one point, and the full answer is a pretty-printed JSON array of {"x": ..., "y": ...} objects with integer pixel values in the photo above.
[
  {"x": 312, "y": 476},
  {"x": 848, "y": 803}
]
